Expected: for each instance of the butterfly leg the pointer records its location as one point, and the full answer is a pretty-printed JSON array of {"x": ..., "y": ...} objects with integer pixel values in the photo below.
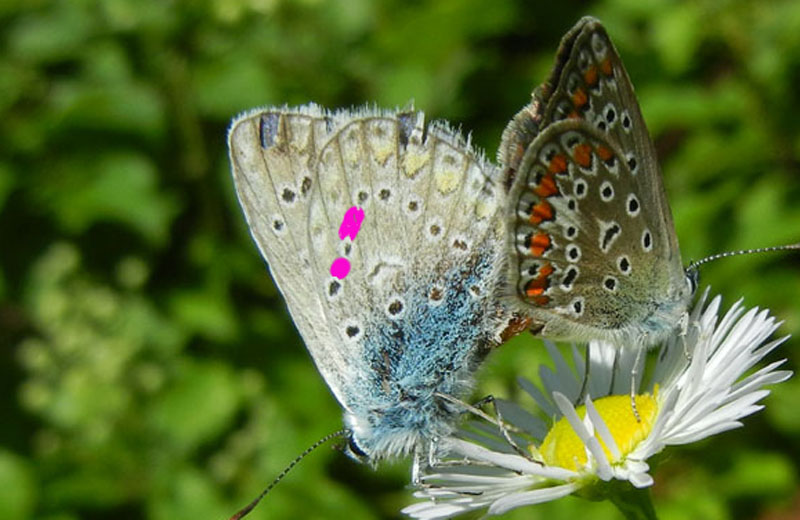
[
  {"x": 504, "y": 428},
  {"x": 498, "y": 421},
  {"x": 584, "y": 391},
  {"x": 634, "y": 375},
  {"x": 416, "y": 468},
  {"x": 683, "y": 331}
]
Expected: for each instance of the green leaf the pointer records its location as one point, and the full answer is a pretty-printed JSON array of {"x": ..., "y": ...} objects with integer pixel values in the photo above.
[
  {"x": 115, "y": 186},
  {"x": 17, "y": 487},
  {"x": 199, "y": 404}
]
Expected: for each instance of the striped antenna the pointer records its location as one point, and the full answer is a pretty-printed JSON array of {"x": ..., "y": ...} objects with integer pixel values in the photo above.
[
  {"x": 694, "y": 265},
  {"x": 249, "y": 507}
]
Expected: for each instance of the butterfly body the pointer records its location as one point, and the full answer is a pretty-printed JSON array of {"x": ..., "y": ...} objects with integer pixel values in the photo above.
[
  {"x": 592, "y": 246},
  {"x": 418, "y": 310}
]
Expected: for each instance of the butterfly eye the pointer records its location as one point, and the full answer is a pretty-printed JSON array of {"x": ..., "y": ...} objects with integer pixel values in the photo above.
[
  {"x": 355, "y": 451},
  {"x": 692, "y": 279}
]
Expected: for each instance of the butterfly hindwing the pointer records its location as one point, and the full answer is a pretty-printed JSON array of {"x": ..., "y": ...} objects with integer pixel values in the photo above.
[{"x": 418, "y": 307}]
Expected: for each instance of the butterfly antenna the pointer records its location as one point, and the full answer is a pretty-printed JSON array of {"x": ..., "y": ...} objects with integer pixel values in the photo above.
[
  {"x": 694, "y": 265},
  {"x": 249, "y": 507}
]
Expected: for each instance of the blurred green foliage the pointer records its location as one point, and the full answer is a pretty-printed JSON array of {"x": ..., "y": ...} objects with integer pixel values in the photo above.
[{"x": 149, "y": 368}]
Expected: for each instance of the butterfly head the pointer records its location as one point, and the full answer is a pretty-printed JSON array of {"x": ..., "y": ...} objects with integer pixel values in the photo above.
[
  {"x": 353, "y": 449},
  {"x": 371, "y": 438},
  {"x": 692, "y": 278}
]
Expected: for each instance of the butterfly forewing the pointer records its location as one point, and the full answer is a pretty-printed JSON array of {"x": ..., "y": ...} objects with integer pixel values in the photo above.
[
  {"x": 273, "y": 155},
  {"x": 592, "y": 85}
]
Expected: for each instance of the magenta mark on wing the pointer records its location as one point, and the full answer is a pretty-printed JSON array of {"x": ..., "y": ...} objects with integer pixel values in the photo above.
[
  {"x": 351, "y": 225},
  {"x": 340, "y": 268}
]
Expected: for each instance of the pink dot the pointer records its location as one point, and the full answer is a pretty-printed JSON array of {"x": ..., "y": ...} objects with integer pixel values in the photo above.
[
  {"x": 340, "y": 268},
  {"x": 351, "y": 223}
]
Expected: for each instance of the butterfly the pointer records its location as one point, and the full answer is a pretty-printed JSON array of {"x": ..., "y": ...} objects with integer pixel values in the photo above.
[
  {"x": 593, "y": 252},
  {"x": 418, "y": 309}
]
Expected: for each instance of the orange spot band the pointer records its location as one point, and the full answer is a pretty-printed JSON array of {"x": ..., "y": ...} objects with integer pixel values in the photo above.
[
  {"x": 540, "y": 212},
  {"x": 546, "y": 187},
  {"x": 536, "y": 287},
  {"x": 540, "y": 242},
  {"x": 579, "y": 99},
  {"x": 541, "y": 301},
  {"x": 605, "y": 153},
  {"x": 558, "y": 164},
  {"x": 583, "y": 155},
  {"x": 606, "y": 68},
  {"x": 590, "y": 76}
]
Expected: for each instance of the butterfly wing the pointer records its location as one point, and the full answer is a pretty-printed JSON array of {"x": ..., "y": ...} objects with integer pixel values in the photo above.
[
  {"x": 418, "y": 306},
  {"x": 590, "y": 150}
]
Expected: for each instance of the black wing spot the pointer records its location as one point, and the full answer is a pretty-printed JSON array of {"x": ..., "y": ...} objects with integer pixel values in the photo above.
[
  {"x": 305, "y": 186},
  {"x": 611, "y": 115},
  {"x": 396, "y": 307},
  {"x": 609, "y": 235},
  {"x": 572, "y": 231},
  {"x": 633, "y": 206},
  {"x": 572, "y": 274},
  {"x": 626, "y": 122},
  {"x": 624, "y": 265},
  {"x": 288, "y": 195},
  {"x": 647, "y": 241},
  {"x": 460, "y": 244}
]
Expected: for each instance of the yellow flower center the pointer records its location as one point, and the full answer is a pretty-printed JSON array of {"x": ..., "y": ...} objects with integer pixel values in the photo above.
[{"x": 563, "y": 448}]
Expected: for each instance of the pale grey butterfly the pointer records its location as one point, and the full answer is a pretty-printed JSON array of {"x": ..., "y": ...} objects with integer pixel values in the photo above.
[{"x": 418, "y": 309}]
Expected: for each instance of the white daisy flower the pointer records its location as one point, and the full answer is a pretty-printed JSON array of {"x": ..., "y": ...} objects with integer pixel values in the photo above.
[{"x": 697, "y": 387}]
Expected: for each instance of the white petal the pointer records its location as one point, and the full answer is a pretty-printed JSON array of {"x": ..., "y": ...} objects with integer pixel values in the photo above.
[{"x": 527, "y": 498}]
